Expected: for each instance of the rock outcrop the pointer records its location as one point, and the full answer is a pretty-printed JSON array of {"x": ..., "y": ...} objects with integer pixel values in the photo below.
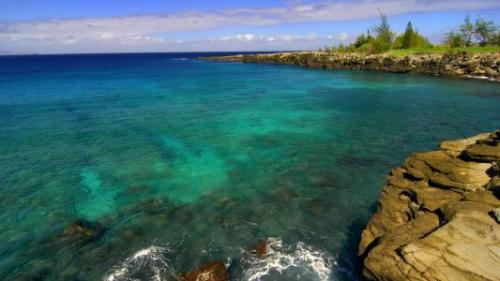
[
  {"x": 438, "y": 216},
  {"x": 486, "y": 65},
  {"x": 215, "y": 271}
]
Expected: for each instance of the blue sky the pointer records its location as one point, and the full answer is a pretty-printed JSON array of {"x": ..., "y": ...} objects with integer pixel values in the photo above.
[{"x": 57, "y": 26}]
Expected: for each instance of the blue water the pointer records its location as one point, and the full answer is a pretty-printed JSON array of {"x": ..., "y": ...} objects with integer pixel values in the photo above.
[{"x": 176, "y": 162}]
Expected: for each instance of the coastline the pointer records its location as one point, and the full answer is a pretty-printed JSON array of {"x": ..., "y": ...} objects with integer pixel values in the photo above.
[
  {"x": 484, "y": 66},
  {"x": 438, "y": 215}
]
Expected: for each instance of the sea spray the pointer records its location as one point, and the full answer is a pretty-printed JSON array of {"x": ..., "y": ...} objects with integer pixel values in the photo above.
[
  {"x": 149, "y": 264},
  {"x": 290, "y": 262}
]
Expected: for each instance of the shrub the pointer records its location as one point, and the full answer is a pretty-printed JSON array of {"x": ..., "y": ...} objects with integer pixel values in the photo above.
[
  {"x": 367, "y": 48},
  {"x": 454, "y": 40}
]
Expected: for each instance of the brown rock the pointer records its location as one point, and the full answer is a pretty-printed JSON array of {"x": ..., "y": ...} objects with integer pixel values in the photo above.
[
  {"x": 480, "y": 65},
  {"x": 436, "y": 220},
  {"x": 260, "y": 248},
  {"x": 456, "y": 147},
  {"x": 215, "y": 271},
  {"x": 466, "y": 248},
  {"x": 483, "y": 152},
  {"x": 446, "y": 171}
]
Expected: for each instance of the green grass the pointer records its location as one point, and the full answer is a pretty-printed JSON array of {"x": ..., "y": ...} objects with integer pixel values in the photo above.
[{"x": 443, "y": 50}]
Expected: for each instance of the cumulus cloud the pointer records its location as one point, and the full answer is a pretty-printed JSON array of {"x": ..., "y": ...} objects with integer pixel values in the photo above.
[{"x": 149, "y": 32}]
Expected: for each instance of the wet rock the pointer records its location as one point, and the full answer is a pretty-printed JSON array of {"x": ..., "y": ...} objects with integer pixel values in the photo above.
[
  {"x": 83, "y": 229},
  {"x": 436, "y": 218},
  {"x": 215, "y": 271},
  {"x": 260, "y": 248}
]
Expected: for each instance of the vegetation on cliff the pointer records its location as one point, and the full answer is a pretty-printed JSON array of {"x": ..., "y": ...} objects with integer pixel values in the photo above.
[{"x": 478, "y": 36}]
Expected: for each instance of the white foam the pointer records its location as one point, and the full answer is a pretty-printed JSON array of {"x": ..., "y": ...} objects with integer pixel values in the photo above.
[
  {"x": 150, "y": 262},
  {"x": 314, "y": 263}
]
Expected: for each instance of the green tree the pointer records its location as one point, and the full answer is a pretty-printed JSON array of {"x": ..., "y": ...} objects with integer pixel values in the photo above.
[
  {"x": 467, "y": 31},
  {"x": 484, "y": 31},
  {"x": 408, "y": 39},
  {"x": 384, "y": 35}
]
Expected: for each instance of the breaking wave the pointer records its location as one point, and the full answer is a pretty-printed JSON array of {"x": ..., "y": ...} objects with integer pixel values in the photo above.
[
  {"x": 300, "y": 262},
  {"x": 149, "y": 264},
  {"x": 281, "y": 262}
]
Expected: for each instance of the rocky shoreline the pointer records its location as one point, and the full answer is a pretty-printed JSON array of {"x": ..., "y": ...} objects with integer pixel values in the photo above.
[
  {"x": 481, "y": 66},
  {"x": 438, "y": 216}
]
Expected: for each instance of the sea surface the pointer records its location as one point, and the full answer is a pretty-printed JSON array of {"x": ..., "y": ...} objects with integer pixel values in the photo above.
[{"x": 173, "y": 162}]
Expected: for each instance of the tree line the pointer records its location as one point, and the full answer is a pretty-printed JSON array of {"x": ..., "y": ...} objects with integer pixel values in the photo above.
[{"x": 481, "y": 32}]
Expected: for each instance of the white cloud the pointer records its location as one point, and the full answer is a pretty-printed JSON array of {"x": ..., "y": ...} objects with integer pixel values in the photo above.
[{"x": 148, "y": 32}]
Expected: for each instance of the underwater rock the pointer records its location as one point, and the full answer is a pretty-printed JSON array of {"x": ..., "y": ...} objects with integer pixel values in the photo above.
[
  {"x": 438, "y": 217},
  {"x": 214, "y": 271},
  {"x": 82, "y": 229}
]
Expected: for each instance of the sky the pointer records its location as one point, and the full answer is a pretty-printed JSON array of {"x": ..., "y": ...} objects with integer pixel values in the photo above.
[{"x": 107, "y": 26}]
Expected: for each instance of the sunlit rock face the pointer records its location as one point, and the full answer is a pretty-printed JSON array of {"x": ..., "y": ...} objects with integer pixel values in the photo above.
[{"x": 438, "y": 216}]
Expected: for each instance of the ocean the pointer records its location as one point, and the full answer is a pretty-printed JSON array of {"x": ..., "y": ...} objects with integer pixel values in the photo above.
[{"x": 173, "y": 162}]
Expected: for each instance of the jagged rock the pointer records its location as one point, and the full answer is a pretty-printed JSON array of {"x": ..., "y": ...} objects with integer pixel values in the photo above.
[
  {"x": 215, "y": 271},
  {"x": 436, "y": 219}
]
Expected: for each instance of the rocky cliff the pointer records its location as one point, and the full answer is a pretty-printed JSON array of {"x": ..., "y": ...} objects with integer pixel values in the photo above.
[
  {"x": 465, "y": 65},
  {"x": 438, "y": 216}
]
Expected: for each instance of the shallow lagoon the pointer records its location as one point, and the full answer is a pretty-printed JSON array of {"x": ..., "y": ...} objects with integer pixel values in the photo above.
[{"x": 183, "y": 162}]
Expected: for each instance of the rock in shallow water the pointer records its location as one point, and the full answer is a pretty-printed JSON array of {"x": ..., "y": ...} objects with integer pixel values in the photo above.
[
  {"x": 215, "y": 271},
  {"x": 260, "y": 248},
  {"x": 82, "y": 229},
  {"x": 436, "y": 216}
]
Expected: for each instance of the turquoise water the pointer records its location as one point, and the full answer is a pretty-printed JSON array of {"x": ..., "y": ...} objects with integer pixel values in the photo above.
[{"x": 182, "y": 162}]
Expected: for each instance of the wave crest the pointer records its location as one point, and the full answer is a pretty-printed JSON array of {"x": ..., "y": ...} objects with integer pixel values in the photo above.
[{"x": 147, "y": 264}]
